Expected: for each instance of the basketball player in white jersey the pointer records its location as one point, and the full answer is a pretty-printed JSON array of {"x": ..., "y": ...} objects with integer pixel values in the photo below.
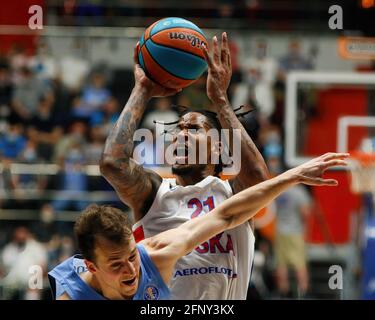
[
  {"x": 220, "y": 267},
  {"x": 119, "y": 269}
]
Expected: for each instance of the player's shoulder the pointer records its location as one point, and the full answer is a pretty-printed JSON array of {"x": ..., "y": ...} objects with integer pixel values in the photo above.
[
  {"x": 212, "y": 180},
  {"x": 64, "y": 296}
]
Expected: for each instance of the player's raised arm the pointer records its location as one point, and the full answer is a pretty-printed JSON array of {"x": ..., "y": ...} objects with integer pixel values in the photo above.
[
  {"x": 167, "y": 247},
  {"x": 134, "y": 185},
  {"x": 253, "y": 167}
]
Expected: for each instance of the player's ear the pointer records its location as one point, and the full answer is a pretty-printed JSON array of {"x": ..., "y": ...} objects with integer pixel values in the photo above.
[{"x": 90, "y": 266}]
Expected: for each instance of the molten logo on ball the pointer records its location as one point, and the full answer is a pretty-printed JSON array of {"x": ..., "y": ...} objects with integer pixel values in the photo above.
[{"x": 194, "y": 41}]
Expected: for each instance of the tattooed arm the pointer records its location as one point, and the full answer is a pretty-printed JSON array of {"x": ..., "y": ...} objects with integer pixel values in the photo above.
[
  {"x": 135, "y": 185},
  {"x": 253, "y": 168}
]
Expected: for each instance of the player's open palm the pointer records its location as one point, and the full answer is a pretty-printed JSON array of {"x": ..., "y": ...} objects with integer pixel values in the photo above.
[
  {"x": 219, "y": 70},
  {"x": 143, "y": 82},
  {"x": 311, "y": 172}
]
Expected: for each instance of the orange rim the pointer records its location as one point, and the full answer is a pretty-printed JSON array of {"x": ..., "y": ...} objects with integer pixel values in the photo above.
[{"x": 365, "y": 158}]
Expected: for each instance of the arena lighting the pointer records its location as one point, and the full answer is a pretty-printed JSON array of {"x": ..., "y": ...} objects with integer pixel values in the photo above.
[{"x": 367, "y": 4}]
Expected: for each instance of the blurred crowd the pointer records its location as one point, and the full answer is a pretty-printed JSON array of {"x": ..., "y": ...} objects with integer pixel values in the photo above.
[{"x": 60, "y": 112}]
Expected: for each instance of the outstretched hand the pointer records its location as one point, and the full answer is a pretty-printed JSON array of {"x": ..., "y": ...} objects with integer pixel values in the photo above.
[
  {"x": 144, "y": 83},
  {"x": 311, "y": 172},
  {"x": 219, "y": 70}
]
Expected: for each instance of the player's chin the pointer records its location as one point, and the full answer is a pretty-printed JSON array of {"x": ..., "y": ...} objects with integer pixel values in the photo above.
[{"x": 130, "y": 286}]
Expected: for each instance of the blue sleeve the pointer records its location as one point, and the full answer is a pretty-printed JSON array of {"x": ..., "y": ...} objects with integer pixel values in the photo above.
[
  {"x": 60, "y": 285},
  {"x": 149, "y": 264},
  {"x": 60, "y": 289},
  {"x": 154, "y": 273}
]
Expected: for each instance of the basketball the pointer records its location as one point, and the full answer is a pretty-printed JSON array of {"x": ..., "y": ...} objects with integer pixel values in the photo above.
[{"x": 170, "y": 52}]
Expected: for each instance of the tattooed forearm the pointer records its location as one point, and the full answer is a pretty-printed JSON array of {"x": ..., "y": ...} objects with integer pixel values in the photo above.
[
  {"x": 135, "y": 186},
  {"x": 253, "y": 168},
  {"x": 119, "y": 143}
]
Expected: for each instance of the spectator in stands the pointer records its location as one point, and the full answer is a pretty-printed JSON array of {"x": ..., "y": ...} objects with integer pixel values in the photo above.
[
  {"x": 107, "y": 116},
  {"x": 225, "y": 12},
  {"x": 292, "y": 210},
  {"x": 45, "y": 130},
  {"x": 73, "y": 181},
  {"x": 17, "y": 257},
  {"x": 59, "y": 248},
  {"x": 27, "y": 95},
  {"x": 161, "y": 113},
  {"x": 62, "y": 103},
  {"x": 32, "y": 183},
  {"x": 46, "y": 227},
  {"x": 270, "y": 139},
  {"x": 7, "y": 184},
  {"x": 66, "y": 248},
  {"x": 74, "y": 68},
  {"x": 89, "y": 13},
  {"x": 6, "y": 89},
  {"x": 69, "y": 154},
  {"x": 44, "y": 64},
  {"x": 76, "y": 135},
  {"x": 93, "y": 150},
  {"x": 18, "y": 60},
  {"x": 259, "y": 75},
  {"x": 12, "y": 143},
  {"x": 93, "y": 98},
  {"x": 293, "y": 60}
]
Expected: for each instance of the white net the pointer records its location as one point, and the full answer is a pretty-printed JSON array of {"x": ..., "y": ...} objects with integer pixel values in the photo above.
[{"x": 362, "y": 171}]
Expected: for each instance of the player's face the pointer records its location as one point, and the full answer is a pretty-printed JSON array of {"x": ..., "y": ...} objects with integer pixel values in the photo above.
[
  {"x": 191, "y": 131},
  {"x": 118, "y": 268}
]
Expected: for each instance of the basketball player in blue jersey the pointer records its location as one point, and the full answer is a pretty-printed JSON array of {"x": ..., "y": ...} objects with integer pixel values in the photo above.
[
  {"x": 162, "y": 204},
  {"x": 118, "y": 268}
]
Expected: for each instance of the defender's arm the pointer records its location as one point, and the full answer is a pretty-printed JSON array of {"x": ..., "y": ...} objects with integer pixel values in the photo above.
[{"x": 166, "y": 248}]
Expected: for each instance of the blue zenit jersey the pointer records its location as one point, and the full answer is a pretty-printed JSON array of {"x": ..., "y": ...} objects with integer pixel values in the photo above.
[{"x": 65, "y": 278}]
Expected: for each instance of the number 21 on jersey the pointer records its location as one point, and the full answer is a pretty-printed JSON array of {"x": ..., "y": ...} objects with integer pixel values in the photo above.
[{"x": 216, "y": 244}]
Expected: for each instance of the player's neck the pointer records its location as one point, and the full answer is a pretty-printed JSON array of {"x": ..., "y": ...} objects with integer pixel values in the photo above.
[{"x": 192, "y": 178}]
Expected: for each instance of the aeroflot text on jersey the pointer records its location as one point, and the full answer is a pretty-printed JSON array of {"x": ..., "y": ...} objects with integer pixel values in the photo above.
[{"x": 205, "y": 270}]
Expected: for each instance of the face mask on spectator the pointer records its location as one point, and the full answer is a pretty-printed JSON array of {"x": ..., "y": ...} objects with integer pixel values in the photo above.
[
  {"x": 273, "y": 138},
  {"x": 78, "y": 137},
  {"x": 29, "y": 155},
  {"x": 12, "y": 136},
  {"x": 74, "y": 155},
  {"x": 274, "y": 166}
]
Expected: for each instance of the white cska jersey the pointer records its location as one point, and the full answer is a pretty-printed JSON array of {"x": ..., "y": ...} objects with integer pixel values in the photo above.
[{"x": 219, "y": 268}]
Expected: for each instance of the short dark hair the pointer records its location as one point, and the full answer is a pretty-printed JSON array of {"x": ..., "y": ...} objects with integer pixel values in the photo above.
[{"x": 101, "y": 221}]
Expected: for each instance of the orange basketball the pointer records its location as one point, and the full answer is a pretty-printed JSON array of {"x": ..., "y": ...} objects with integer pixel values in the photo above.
[{"x": 170, "y": 52}]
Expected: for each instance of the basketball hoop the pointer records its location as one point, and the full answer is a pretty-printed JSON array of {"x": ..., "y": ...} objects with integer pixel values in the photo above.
[{"x": 362, "y": 171}]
